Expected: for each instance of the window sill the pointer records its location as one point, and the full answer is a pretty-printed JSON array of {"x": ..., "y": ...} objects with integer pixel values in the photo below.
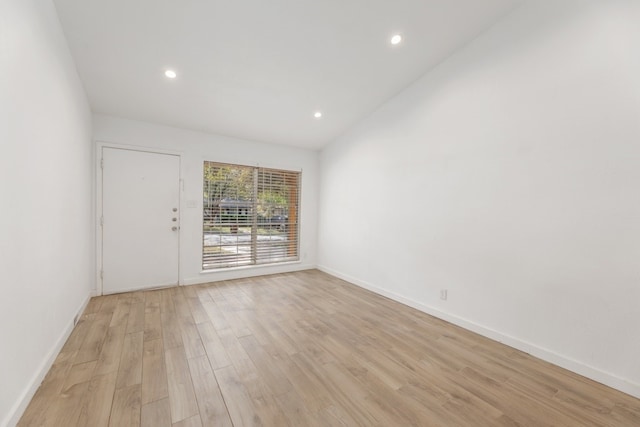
[{"x": 250, "y": 267}]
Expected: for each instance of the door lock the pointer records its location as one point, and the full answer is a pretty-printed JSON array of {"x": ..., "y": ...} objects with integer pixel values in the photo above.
[{"x": 174, "y": 228}]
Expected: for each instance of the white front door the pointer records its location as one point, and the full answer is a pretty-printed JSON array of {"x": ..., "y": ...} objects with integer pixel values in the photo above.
[{"x": 140, "y": 219}]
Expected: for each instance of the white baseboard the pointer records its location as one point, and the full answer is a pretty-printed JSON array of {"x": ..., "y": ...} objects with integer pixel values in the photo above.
[
  {"x": 23, "y": 401},
  {"x": 550, "y": 356}
]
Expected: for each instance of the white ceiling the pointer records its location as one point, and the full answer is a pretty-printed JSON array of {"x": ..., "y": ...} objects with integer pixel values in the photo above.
[{"x": 259, "y": 69}]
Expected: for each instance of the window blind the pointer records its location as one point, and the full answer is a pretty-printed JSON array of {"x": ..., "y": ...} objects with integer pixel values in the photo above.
[{"x": 250, "y": 215}]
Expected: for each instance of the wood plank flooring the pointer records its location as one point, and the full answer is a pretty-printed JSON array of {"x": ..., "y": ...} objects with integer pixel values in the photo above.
[{"x": 300, "y": 349}]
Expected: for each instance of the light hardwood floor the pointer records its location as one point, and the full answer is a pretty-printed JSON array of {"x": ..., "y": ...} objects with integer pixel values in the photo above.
[{"x": 300, "y": 349}]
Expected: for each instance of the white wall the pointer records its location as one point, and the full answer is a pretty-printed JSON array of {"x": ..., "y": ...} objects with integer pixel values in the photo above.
[
  {"x": 509, "y": 175},
  {"x": 195, "y": 148},
  {"x": 46, "y": 244}
]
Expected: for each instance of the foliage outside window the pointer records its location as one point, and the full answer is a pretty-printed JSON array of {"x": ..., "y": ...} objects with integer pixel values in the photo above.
[{"x": 250, "y": 215}]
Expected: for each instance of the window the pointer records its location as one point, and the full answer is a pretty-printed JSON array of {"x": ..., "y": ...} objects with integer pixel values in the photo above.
[{"x": 250, "y": 215}]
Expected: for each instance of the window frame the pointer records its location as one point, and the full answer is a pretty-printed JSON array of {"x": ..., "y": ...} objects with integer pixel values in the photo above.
[{"x": 267, "y": 244}]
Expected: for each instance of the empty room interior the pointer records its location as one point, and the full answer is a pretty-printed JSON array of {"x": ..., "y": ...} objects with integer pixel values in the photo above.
[{"x": 336, "y": 213}]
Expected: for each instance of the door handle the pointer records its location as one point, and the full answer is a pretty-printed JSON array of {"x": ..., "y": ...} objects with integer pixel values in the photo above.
[{"x": 174, "y": 228}]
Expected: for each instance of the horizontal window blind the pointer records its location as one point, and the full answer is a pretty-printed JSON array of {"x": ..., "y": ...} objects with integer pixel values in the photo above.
[{"x": 250, "y": 215}]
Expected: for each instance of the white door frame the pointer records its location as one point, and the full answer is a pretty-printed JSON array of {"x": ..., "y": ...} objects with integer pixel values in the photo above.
[{"x": 98, "y": 213}]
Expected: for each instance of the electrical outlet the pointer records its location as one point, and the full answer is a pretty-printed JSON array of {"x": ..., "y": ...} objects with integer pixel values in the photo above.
[{"x": 443, "y": 294}]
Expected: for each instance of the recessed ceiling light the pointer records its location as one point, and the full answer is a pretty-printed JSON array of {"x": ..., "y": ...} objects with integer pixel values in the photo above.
[
  {"x": 396, "y": 39},
  {"x": 317, "y": 114},
  {"x": 170, "y": 74}
]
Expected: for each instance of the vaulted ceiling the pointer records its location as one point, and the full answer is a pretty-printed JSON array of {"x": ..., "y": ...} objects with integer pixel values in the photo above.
[{"x": 260, "y": 69}]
